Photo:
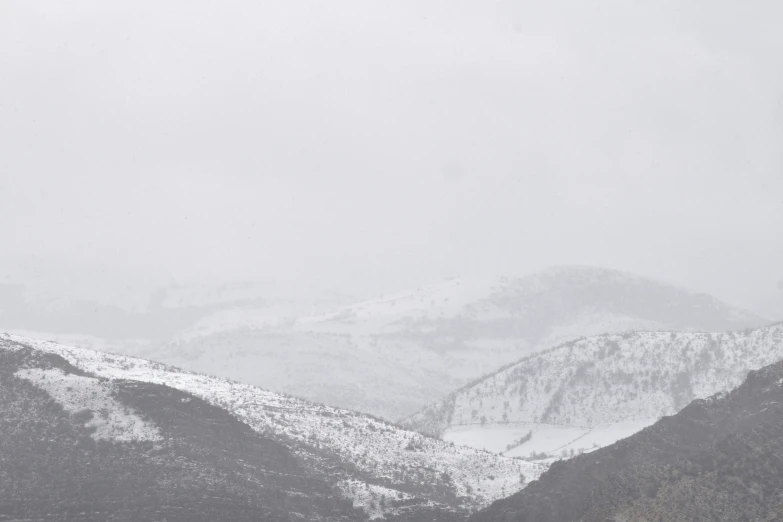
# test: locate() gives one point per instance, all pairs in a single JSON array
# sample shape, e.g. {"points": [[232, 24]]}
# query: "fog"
{"points": [[368, 146]]}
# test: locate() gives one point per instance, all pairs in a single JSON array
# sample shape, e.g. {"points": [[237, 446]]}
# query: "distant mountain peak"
{"points": [[396, 353]]}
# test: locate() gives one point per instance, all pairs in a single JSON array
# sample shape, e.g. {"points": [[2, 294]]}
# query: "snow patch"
{"points": [[375, 501], [75, 393]]}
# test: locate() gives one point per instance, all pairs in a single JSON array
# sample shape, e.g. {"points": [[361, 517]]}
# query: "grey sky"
{"points": [[372, 145]]}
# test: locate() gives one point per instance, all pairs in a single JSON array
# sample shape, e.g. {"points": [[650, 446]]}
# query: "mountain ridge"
{"points": [[85, 448], [366, 460]]}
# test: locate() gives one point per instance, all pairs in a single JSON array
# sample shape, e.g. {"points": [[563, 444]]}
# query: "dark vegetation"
{"points": [[521, 440]]}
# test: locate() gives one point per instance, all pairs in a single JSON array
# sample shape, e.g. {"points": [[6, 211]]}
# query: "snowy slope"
{"points": [[75, 393], [718, 460], [392, 355], [596, 390], [80, 447], [363, 455]]}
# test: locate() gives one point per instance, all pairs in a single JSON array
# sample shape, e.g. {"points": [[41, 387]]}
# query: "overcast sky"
{"points": [[369, 145]]}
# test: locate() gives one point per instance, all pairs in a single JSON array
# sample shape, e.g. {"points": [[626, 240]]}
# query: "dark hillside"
{"points": [[206, 466]]}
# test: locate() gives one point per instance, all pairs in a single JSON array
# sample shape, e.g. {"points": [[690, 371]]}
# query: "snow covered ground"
{"points": [[550, 439], [75, 393]]}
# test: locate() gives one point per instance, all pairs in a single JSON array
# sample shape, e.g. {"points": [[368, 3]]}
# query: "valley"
{"points": [[593, 391]]}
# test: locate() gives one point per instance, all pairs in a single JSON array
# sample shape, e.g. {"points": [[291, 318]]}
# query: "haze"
{"points": [[368, 146]]}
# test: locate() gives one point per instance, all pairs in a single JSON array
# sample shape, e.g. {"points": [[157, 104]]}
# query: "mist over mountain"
{"points": [[388, 356], [402, 261], [392, 355], [156, 315]]}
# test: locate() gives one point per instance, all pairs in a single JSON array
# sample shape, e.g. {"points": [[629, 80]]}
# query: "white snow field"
{"points": [[549, 439]]}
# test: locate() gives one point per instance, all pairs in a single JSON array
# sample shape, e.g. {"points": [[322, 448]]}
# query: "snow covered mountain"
{"points": [[378, 467], [78, 447], [719, 459], [591, 392], [393, 355]]}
